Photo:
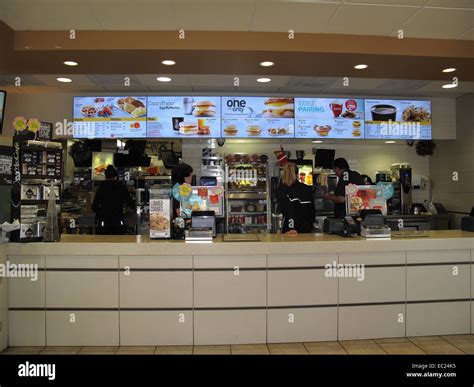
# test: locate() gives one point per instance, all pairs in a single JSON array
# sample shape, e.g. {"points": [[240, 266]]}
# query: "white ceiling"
{"points": [[220, 84], [444, 19]]}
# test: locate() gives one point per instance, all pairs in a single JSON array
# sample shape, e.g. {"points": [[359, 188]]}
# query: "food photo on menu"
{"points": [[329, 118], [110, 117], [185, 117], [398, 119], [258, 117]]}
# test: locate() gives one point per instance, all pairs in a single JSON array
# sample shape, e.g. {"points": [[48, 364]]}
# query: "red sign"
{"points": [[351, 105]]}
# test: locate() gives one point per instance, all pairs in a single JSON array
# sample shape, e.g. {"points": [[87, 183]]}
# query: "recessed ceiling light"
{"points": [[266, 63], [168, 62], [64, 80], [58, 46], [360, 66], [449, 86], [449, 70], [316, 141], [71, 63], [163, 79], [264, 80], [27, 47], [390, 142]]}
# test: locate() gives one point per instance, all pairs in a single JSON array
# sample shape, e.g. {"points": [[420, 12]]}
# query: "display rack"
{"points": [[36, 164]]}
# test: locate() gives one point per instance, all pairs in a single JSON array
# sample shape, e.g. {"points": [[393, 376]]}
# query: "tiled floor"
{"points": [[432, 345]]}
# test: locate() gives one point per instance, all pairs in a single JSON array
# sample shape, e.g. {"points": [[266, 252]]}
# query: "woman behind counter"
{"points": [[180, 175], [296, 202], [108, 204]]}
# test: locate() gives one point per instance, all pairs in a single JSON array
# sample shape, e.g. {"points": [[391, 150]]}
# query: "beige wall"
{"points": [[456, 156]]}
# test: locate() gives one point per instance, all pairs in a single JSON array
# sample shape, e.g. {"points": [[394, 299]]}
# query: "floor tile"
{"points": [[22, 351], [391, 340], [98, 350], [438, 347], [363, 341], [173, 352], [60, 351], [136, 350], [285, 345], [402, 349], [363, 349], [417, 339], [211, 350], [248, 346], [458, 337], [467, 346], [325, 348], [289, 351], [261, 351]]}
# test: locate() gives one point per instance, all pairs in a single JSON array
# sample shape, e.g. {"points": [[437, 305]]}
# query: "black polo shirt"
{"points": [[353, 177]]}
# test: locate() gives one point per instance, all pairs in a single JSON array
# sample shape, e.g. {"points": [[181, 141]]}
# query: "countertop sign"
{"points": [[6, 165]]}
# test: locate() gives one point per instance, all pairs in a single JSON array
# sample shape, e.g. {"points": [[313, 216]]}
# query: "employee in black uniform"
{"points": [[108, 204], [345, 176], [296, 202]]}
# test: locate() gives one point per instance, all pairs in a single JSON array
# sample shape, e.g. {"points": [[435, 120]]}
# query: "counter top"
{"points": [[268, 244]]}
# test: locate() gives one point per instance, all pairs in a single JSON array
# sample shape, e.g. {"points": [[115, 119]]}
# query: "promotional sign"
{"points": [[258, 117], [397, 119], [329, 118], [109, 117], [100, 162], [6, 165], [160, 218], [184, 117]]}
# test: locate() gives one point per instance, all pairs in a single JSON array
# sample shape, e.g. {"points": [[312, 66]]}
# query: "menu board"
{"points": [[258, 117], [109, 117], [2, 106], [398, 119], [329, 118], [184, 117]]}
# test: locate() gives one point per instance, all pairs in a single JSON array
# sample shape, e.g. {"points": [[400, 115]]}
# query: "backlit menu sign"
{"points": [[329, 118], [109, 117], [397, 119], [184, 117], [258, 117]]}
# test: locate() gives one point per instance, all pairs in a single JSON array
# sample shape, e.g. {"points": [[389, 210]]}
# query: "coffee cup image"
{"points": [[383, 113]]}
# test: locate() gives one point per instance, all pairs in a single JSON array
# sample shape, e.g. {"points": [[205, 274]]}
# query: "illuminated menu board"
{"points": [[109, 117], [398, 119], [258, 117], [329, 118], [184, 117]]}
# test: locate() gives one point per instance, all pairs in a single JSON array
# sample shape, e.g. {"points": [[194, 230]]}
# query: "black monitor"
{"points": [[324, 158], [3, 97], [169, 158]]}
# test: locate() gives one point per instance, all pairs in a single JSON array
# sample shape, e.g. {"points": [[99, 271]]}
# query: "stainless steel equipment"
{"points": [[402, 198], [204, 219], [247, 195]]}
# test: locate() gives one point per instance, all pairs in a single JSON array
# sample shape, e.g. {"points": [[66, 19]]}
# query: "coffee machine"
{"points": [[400, 203]]}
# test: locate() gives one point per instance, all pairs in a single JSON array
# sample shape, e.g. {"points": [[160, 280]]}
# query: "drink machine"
{"points": [[402, 198]]}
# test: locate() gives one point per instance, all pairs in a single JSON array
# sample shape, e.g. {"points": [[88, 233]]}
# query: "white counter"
{"points": [[120, 290]]}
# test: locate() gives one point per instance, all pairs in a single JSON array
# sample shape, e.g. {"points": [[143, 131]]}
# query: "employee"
{"points": [[296, 202], [180, 175], [345, 176], [108, 204]]}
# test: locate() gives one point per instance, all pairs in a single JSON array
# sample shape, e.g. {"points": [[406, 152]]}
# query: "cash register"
{"points": [[203, 227]]}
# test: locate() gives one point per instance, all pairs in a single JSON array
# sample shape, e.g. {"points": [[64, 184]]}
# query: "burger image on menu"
{"points": [[356, 132], [188, 128], [204, 109], [230, 130], [279, 108], [254, 130], [322, 130]]}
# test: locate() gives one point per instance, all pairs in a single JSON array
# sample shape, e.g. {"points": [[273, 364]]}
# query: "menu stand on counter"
{"points": [[36, 165]]}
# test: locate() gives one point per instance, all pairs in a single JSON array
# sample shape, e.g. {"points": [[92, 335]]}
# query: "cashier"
{"points": [[108, 204], [296, 202], [345, 176], [182, 174]]}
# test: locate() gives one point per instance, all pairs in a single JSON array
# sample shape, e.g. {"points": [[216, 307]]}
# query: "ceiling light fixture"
{"points": [[264, 80], [163, 79], [449, 86], [316, 141], [360, 66], [64, 80], [390, 142], [168, 62], [266, 64], [449, 70], [71, 63]]}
